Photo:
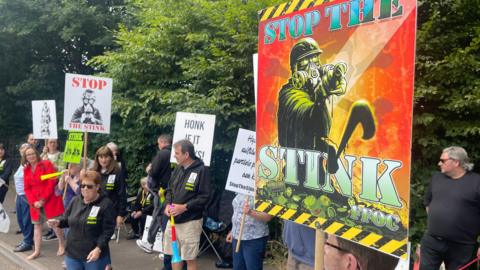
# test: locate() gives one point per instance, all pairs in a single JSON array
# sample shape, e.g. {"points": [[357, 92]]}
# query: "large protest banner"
{"points": [[198, 129], [241, 176], [334, 117], [44, 117], [88, 102]]}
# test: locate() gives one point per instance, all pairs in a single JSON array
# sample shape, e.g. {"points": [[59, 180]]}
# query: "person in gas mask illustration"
{"points": [[87, 113], [303, 117]]}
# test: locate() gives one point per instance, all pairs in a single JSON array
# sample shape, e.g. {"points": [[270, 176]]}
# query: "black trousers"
{"points": [[435, 250], [3, 192]]}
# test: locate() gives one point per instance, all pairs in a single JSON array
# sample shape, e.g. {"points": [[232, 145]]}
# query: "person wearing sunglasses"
{"points": [[341, 254], [87, 113], [91, 223], [452, 201]]}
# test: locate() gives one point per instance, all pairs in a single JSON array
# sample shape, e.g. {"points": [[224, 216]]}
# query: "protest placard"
{"points": [[334, 117], [88, 102], [198, 129], [241, 177], [44, 117], [73, 148]]}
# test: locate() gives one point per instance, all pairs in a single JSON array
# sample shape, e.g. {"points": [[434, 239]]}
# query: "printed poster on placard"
{"points": [[44, 117], [88, 102], [334, 117], [241, 176], [198, 129]]}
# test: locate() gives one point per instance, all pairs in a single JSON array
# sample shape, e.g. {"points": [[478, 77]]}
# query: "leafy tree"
{"points": [[447, 91], [192, 56], [40, 41]]}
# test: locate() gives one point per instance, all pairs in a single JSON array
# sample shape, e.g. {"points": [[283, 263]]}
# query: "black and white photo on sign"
{"points": [[241, 177], [44, 119], [88, 102], [198, 129]]}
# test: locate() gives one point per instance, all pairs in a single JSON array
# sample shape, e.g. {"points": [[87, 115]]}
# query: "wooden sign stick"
{"points": [[242, 222], [85, 144], [319, 248]]}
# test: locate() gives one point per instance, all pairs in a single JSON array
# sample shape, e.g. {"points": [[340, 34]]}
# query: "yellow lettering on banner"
{"points": [[333, 228], [292, 6], [392, 246], [302, 218], [370, 239], [289, 213], [267, 13], [279, 10], [351, 233], [275, 210]]}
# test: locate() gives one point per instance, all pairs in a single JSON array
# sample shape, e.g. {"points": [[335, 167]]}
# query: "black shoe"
{"points": [[49, 237], [132, 236], [22, 248], [223, 264], [49, 232], [18, 231]]}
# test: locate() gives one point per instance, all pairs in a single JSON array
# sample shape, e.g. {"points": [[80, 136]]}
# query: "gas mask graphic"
{"points": [[308, 79]]}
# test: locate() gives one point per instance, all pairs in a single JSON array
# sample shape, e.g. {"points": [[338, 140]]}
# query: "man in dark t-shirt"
{"points": [[453, 207]]}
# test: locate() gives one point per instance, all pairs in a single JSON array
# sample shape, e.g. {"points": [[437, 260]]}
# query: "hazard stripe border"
{"points": [[369, 239]]}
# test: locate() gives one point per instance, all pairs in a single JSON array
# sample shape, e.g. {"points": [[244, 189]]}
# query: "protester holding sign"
{"points": [[342, 254], [453, 208], [91, 224], [22, 206], [71, 182], [255, 234], [5, 172], [51, 152], [187, 193], [113, 184], [41, 197]]}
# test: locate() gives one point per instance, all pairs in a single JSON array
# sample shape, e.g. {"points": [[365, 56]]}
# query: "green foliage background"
{"points": [[196, 56]]}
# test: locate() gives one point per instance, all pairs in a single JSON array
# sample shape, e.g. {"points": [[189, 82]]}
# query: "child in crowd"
{"points": [[141, 209]]}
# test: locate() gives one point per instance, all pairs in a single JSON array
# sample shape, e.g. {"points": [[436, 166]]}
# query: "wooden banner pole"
{"points": [[65, 180], [85, 147], [242, 223], [319, 249]]}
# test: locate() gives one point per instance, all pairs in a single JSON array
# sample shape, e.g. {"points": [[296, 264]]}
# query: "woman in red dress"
{"points": [[44, 204]]}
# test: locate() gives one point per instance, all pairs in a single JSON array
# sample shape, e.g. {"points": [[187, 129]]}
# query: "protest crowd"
{"points": [[329, 163]]}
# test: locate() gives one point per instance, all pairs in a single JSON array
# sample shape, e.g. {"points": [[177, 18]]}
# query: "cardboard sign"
{"points": [[44, 118], [241, 177], [73, 148], [334, 117], [88, 102], [198, 129]]}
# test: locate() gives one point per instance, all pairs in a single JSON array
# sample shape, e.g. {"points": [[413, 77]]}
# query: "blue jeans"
{"points": [[251, 254], [23, 219], [79, 264]]}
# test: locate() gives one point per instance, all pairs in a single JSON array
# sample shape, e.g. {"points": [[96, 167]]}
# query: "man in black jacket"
{"points": [[187, 194]]}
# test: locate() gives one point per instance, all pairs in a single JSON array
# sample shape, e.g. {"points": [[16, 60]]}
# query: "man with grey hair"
{"points": [[453, 208]]}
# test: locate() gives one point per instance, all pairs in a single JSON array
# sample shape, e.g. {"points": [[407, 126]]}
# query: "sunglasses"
{"points": [[82, 186], [336, 247], [444, 160]]}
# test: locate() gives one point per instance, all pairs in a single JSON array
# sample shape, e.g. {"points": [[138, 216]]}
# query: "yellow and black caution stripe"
{"points": [[369, 239], [287, 8]]}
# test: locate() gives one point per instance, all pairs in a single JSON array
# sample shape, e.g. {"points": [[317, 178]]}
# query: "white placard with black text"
{"points": [[241, 177], [88, 103], [44, 117], [198, 129]]}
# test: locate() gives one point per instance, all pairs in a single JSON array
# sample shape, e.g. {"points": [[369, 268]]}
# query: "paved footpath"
{"points": [[125, 255]]}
